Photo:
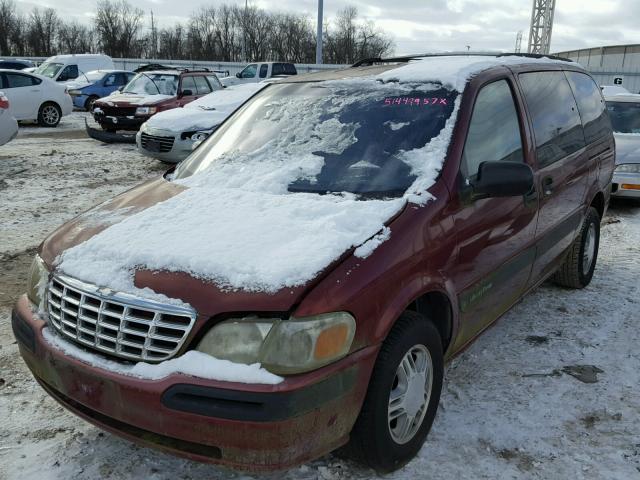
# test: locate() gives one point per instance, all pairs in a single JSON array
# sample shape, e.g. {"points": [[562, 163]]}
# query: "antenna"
{"points": [[541, 26]]}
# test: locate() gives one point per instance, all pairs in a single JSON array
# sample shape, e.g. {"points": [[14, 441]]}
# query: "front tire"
{"points": [[403, 396], [49, 115], [88, 104], [577, 269]]}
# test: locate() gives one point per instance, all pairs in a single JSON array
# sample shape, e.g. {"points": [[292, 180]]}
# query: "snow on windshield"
{"points": [[153, 84], [238, 224]]}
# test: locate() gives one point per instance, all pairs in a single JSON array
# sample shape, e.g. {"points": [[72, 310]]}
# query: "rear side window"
{"points": [[283, 69], [591, 106], [202, 86], [14, 80], [188, 83], [494, 130], [263, 70], [214, 82], [554, 114]]}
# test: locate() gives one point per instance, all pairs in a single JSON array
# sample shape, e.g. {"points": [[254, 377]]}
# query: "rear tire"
{"points": [[577, 269], [382, 437], [49, 115]]}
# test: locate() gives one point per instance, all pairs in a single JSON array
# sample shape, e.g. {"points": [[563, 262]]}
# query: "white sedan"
{"points": [[8, 124], [169, 136], [34, 97]]}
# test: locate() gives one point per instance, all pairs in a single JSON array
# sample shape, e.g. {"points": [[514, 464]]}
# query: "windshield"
{"points": [[48, 69], [153, 84], [625, 116], [357, 136]]}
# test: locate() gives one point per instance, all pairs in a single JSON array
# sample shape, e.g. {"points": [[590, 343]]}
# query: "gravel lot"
{"points": [[515, 404]]}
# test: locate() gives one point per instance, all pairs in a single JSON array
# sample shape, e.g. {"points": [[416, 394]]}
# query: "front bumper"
{"points": [[178, 150], [244, 426], [626, 185], [79, 101], [109, 137], [130, 122]]}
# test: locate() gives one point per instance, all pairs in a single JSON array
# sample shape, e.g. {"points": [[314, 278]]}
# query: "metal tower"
{"points": [[518, 48], [541, 26]]}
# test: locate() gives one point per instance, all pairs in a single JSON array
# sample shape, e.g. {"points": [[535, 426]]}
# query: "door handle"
{"points": [[547, 185]]}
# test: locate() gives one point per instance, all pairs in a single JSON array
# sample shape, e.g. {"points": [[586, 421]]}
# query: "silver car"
{"points": [[624, 111], [170, 136]]}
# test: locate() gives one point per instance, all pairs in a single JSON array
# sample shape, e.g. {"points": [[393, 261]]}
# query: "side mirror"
{"points": [[502, 179], [238, 75], [185, 93], [121, 88]]}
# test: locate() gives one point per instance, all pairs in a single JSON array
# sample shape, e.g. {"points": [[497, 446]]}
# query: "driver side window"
{"points": [[494, 130], [249, 71], [69, 73]]}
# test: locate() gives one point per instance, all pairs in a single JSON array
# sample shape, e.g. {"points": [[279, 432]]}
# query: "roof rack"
{"points": [[407, 58]]}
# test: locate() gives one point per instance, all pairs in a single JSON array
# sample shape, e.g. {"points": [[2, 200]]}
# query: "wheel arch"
{"points": [[438, 308], [598, 202]]}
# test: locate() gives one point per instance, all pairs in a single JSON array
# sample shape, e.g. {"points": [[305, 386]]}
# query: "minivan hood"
{"points": [[240, 251], [627, 148]]}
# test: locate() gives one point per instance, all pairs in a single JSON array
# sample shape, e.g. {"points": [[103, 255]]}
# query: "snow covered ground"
{"points": [[512, 406]]}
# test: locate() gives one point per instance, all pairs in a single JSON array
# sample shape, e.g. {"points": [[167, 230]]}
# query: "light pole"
{"points": [[319, 35]]}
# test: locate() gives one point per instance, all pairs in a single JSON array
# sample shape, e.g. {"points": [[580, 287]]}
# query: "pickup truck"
{"points": [[257, 72]]}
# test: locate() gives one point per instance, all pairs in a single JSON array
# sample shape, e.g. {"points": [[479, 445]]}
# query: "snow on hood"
{"points": [[206, 112], [77, 84], [135, 99], [240, 228]]}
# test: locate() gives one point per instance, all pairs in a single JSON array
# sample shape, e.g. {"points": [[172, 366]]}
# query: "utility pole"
{"points": [[154, 39], [319, 35], [541, 26], [518, 48]]}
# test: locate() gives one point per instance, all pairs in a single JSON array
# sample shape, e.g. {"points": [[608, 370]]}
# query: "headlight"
{"points": [[146, 110], [75, 92], [38, 277], [199, 136], [628, 168], [282, 346]]}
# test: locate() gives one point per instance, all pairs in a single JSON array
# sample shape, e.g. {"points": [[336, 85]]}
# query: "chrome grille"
{"points": [[156, 143], [116, 323]]}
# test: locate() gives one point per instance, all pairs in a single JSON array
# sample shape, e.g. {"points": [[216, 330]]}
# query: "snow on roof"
{"points": [[455, 71], [238, 226]]}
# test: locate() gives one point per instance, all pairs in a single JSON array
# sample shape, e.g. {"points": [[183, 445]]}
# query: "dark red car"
{"points": [[148, 93], [298, 283]]}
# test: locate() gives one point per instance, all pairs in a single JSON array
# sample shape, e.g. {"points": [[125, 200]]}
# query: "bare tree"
{"points": [[74, 38], [8, 21], [117, 25], [42, 28]]}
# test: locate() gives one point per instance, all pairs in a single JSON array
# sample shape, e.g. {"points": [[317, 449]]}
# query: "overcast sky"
{"points": [[429, 25]]}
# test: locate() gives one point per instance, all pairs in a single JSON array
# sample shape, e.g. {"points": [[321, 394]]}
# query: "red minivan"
{"points": [[297, 284]]}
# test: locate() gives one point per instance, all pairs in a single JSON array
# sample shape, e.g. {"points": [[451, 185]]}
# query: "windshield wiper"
{"points": [[369, 195]]}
